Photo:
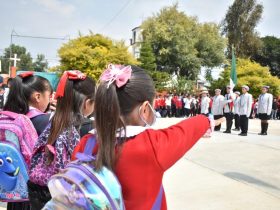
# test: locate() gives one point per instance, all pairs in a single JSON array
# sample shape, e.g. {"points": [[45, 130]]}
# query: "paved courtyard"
{"points": [[226, 172]]}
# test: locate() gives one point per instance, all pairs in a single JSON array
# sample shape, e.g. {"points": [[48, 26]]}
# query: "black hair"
{"points": [[21, 90], [69, 108], [113, 106]]}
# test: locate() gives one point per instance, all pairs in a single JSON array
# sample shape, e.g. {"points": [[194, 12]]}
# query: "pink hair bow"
{"points": [[116, 73]]}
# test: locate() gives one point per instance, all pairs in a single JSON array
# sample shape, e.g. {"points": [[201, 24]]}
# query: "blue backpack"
{"points": [[79, 186], [17, 139]]}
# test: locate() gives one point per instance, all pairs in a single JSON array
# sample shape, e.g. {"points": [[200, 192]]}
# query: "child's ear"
{"points": [[36, 96], [145, 110]]}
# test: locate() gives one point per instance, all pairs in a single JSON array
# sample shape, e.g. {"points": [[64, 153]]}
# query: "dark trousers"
{"points": [[229, 118], [244, 123], [38, 195], [168, 108], [237, 121], [218, 127], [187, 112]]}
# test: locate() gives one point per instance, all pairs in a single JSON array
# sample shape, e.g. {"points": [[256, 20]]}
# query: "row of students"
{"points": [[126, 144], [240, 108], [29, 93], [176, 106]]}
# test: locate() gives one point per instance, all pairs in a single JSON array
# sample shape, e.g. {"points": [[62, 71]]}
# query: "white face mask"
{"points": [[154, 113]]}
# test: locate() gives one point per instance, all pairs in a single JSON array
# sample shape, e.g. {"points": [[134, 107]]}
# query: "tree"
{"points": [[269, 54], [25, 62], [175, 38], [239, 26], [92, 53], [252, 74], [147, 57], [40, 63]]}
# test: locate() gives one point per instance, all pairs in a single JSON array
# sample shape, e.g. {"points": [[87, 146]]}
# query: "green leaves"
{"points": [[92, 53], [239, 25], [252, 74], [180, 41]]}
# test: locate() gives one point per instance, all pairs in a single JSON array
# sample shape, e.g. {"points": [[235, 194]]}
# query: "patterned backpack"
{"points": [[79, 186], [17, 139]]}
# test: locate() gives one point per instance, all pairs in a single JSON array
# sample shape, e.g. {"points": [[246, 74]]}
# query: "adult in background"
{"points": [[236, 104], [205, 103], [228, 108], [274, 109], [245, 109], [187, 105], [264, 109], [168, 99], [217, 107]]}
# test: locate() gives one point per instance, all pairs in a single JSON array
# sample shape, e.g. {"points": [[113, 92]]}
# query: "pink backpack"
{"points": [[18, 130], [17, 140]]}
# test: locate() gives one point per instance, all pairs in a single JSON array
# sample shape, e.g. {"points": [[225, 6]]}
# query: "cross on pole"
{"points": [[15, 59]]}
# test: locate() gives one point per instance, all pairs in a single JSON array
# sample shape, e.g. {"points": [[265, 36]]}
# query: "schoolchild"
{"points": [[75, 96], [126, 144], [29, 95]]}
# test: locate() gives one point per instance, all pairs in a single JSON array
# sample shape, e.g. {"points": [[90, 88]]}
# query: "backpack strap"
{"points": [[34, 113], [12, 115], [91, 142], [158, 201], [87, 156]]}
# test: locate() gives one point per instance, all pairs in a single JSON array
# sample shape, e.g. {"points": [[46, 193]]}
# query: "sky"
{"points": [[115, 18]]}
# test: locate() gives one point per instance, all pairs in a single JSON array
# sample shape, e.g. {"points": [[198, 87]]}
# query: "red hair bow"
{"points": [[71, 75], [26, 74]]}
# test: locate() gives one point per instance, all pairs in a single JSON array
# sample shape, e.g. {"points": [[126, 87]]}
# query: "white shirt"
{"points": [[187, 102], [218, 105], [245, 104], [168, 101], [205, 101], [236, 105], [228, 99], [265, 103]]}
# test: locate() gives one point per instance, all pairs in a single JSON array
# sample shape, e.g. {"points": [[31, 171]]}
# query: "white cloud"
{"points": [[57, 6]]}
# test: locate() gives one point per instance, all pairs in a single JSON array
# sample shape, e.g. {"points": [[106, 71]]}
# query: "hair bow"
{"points": [[71, 75], [116, 73], [26, 74]]}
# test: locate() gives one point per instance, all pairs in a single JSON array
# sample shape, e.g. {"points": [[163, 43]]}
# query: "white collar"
{"points": [[131, 131]]}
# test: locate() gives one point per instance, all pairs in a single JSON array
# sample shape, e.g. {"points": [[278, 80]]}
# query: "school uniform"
{"points": [[236, 104], [245, 111], [264, 110], [143, 159], [228, 108], [187, 106], [217, 109], [40, 122], [204, 106]]}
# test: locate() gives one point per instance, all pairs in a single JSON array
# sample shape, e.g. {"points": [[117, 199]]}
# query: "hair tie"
{"points": [[71, 75], [26, 74], [116, 73]]}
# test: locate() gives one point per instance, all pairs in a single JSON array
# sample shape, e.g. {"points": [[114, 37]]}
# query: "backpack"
{"points": [[17, 139], [41, 169], [79, 186]]}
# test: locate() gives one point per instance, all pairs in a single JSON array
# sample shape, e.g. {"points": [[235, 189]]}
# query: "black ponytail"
{"points": [[21, 90], [107, 114], [16, 101], [113, 106]]}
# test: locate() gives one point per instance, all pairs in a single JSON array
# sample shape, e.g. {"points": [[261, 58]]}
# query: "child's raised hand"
{"points": [[213, 123]]}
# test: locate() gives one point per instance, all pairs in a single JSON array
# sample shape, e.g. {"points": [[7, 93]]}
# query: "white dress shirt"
{"points": [[245, 104], [265, 103]]}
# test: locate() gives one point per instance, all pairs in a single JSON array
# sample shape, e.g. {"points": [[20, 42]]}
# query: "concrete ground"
{"points": [[226, 172]]}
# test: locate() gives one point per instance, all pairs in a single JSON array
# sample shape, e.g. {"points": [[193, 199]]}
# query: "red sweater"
{"points": [[145, 157]]}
